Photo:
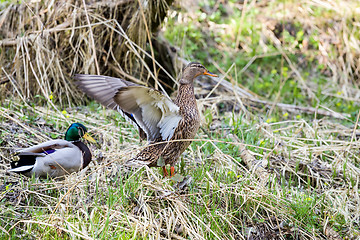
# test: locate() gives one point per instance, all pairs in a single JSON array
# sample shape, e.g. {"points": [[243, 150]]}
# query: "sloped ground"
{"points": [[302, 184]]}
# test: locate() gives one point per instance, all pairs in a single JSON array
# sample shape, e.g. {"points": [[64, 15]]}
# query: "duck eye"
{"points": [[80, 131]]}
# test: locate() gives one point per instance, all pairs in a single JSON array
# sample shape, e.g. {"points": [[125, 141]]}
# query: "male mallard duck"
{"points": [[157, 117], [56, 157]]}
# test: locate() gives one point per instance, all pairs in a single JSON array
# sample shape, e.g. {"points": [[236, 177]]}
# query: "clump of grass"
{"points": [[44, 44]]}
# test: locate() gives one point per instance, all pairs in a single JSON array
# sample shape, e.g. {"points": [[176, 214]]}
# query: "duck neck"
{"points": [[86, 153], [185, 95]]}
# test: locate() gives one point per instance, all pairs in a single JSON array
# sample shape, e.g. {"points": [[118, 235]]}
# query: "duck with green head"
{"points": [[55, 158]]}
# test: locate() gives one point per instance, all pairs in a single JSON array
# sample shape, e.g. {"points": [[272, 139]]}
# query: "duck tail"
{"points": [[136, 163], [148, 156], [25, 163]]}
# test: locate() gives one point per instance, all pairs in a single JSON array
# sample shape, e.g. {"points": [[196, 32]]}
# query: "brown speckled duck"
{"points": [[158, 118]]}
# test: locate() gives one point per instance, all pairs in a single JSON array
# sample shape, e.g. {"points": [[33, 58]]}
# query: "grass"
{"points": [[274, 37], [263, 173], [224, 199]]}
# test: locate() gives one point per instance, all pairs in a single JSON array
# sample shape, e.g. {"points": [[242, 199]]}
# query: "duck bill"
{"points": [[89, 138], [210, 74]]}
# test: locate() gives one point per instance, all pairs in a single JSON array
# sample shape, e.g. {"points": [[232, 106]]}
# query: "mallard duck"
{"points": [[162, 121], [55, 158]]}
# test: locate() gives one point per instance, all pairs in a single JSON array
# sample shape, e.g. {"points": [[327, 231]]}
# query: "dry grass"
{"points": [[43, 45]]}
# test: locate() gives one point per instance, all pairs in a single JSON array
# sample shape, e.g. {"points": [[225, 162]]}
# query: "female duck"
{"points": [[169, 126], [55, 158]]}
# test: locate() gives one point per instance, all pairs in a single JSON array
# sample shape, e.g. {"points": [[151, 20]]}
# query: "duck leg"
{"points": [[172, 171], [165, 171]]}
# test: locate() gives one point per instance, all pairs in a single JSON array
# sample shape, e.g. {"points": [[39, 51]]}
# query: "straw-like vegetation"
{"points": [[277, 156], [44, 44]]}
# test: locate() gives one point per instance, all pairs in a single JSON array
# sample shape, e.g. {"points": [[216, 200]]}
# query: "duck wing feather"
{"points": [[42, 147], [154, 112], [103, 90]]}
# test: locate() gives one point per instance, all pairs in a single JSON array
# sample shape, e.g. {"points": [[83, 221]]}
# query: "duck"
{"points": [[169, 126], [55, 158]]}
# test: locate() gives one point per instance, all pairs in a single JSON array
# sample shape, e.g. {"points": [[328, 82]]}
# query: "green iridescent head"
{"points": [[77, 131]]}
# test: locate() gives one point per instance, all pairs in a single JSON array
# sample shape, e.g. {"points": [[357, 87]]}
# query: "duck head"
{"points": [[77, 131], [193, 70]]}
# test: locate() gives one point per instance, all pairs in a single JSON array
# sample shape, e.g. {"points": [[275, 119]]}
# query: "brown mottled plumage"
{"points": [[156, 116]]}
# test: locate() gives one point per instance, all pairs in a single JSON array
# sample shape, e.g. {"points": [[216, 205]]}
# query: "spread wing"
{"points": [[155, 113], [103, 90]]}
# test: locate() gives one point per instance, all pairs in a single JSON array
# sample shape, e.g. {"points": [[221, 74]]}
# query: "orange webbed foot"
{"points": [[172, 171], [165, 171]]}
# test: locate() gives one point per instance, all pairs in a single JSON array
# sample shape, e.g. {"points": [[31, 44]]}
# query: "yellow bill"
{"points": [[89, 138]]}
